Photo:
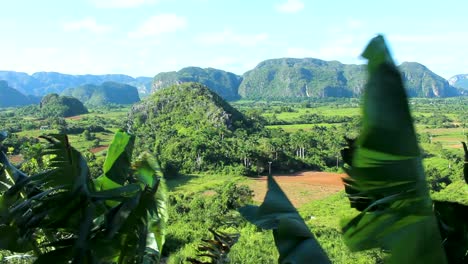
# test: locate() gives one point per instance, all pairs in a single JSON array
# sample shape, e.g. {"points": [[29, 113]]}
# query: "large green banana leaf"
{"points": [[386, 169]]}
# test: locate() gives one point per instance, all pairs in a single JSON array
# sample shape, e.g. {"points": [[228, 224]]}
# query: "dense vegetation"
{"points": [[191, 129], [225, 84], [317, 78], [104, 94], [53, 105], [204, 146], [65, 215], [421, 82]]}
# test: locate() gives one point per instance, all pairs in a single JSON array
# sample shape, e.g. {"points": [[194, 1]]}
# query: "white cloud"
{"points": [[86, 24], [156, 25], [290, 6], [120, 3], [228, 37]]}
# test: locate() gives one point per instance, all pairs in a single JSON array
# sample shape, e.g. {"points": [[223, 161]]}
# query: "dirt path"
{"points": [[301, 187]]}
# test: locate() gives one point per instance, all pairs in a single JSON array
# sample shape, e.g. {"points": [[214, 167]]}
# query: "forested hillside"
{"points": [[276, 78], [104, 94], [283, 78], [225, 84], [421, 82], [193, 129], [53, 105]]}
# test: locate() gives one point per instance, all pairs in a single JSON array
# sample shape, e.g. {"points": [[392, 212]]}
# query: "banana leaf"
{"points": [[386, 169]]}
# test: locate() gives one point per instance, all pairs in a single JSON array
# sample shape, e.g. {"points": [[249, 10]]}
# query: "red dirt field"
{"points": [[301, 187], [97, 149], [16, 159], [74, 117]]}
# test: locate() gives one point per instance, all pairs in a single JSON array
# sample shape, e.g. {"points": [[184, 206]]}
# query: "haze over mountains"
{"points": [[42, 83], [106, 93], [270, 79], [11, 97], [460, 81]]}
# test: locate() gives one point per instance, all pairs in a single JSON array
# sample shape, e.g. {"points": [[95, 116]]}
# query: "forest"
{"points": [[174, 178]]}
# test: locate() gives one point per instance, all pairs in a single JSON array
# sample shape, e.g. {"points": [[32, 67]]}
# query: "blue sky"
{"points": [[144, 37]]}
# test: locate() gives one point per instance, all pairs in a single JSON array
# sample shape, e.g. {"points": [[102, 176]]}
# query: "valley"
{"points": [[307, 171]]}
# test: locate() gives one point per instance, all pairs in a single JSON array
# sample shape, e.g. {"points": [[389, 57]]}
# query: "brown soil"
{"points": [[301, 187], [16, 159], [98, 149], [78, 117]]}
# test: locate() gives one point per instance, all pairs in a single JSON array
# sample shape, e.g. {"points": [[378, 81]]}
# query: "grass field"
{"points": [[448, 137], [327, 111], [295, 127]]}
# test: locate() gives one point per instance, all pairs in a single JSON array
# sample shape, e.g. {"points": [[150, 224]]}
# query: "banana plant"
{"points": [[64, 216], [386, 170], [216, 249]]}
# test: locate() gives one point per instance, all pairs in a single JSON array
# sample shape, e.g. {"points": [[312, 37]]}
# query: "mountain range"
{"points": [[225, 84], [290, 78], [10, 97], [270, 79], [280, 78], [42, 83]]}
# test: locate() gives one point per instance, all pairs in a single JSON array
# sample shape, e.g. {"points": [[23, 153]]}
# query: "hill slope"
{"points": [[189, 127], [42, 83], [421, 82], [106, 93], [11, 97], [225, 84], [280, 78], [53, 105]]}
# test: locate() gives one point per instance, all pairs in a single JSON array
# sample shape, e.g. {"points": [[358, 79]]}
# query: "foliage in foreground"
{"points": [[63, 215], [386, 183]]}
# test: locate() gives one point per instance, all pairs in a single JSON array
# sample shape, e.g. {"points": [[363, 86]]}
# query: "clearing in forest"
{"points": [[301, 187]]}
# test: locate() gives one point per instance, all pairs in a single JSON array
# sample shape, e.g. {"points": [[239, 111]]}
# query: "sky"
{"points": [[145, 37]]}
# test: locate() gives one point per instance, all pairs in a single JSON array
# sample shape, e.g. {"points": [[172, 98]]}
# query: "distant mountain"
{"points": [[421, 82], [11, 97], [106, 93], [459, 81], [42, 83], [223, 83], [275, 78], [287, 77], [302, 78]]}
